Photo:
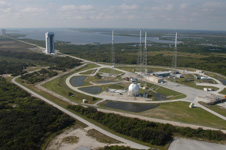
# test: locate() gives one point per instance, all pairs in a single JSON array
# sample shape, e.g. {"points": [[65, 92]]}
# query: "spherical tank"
{"points": [[133, 89]]}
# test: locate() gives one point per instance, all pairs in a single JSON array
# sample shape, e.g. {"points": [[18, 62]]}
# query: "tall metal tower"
{"points": [[145, 55], [112, 51], [139, 57], [174, 63]]}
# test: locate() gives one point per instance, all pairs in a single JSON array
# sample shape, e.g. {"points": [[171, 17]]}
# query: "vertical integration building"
{"points": [[3, 31], [50, 43]]}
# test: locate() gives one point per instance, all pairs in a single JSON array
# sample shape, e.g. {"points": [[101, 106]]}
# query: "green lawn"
{"points": [[89, 72], [223, 91], [216, 108], [108, 70], [180, 112]]}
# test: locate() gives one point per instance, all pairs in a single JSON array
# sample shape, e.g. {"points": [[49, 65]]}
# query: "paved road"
{"points": [[129, 143]]}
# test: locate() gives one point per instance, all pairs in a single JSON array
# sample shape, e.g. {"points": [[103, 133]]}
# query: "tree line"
{"points": [[149, 132]]}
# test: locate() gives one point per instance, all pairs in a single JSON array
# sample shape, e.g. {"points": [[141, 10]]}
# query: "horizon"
{"points": [[114, 28], [150, 14]]}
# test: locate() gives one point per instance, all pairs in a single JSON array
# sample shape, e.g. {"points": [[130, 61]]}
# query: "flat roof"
{"points": [[161, 72]]}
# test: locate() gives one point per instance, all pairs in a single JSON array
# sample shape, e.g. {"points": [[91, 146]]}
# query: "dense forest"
{"points": [[158, 54], [38, 76], [150, 132], [16, 68], [26, 122]]}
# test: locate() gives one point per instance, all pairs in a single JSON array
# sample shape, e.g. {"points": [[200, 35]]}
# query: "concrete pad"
{"points": [[187, 144]]}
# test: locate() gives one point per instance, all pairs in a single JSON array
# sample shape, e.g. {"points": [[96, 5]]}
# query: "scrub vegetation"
{"points": [[26, 122]]}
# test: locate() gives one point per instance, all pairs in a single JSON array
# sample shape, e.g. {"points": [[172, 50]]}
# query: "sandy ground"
{"points": [[84, 142], [187, 144]]}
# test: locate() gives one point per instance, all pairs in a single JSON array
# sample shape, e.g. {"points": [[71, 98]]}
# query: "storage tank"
{"points": [[133, 89]]}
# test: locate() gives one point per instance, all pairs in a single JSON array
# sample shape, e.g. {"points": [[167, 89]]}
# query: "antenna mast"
{"points": [[139, 58], [112, 51], [145, 55], [174, 64]]}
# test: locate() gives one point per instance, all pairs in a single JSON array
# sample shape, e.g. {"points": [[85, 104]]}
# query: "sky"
{"points": [[153, 14]]}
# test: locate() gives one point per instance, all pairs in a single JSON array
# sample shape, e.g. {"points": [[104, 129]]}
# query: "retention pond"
{"points": [[78, 81], [92, 89], [132, 107]]}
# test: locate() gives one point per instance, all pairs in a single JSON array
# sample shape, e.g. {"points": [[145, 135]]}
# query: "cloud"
{"points": [[183, 6], [168, 7], [128, 7], [68, 7], [74, 7], [85, 7], [2, 3], [32, 10]]}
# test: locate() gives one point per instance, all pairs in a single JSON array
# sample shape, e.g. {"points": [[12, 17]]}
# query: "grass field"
{"points": [[223, 91], [89, 72], [216, 108], [59, 86], [180, 112], [108, 70]]}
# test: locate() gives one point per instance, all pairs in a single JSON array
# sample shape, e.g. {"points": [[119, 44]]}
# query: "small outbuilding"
{"points": [[84, 101]]}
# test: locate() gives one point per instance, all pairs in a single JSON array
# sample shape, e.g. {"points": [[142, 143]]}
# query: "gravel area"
{"points": [[187, 144]]}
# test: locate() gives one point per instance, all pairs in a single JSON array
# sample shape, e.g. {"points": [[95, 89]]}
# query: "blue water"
{"points": [[132, 107], [76, 36], [78, 81], [92, 89]]}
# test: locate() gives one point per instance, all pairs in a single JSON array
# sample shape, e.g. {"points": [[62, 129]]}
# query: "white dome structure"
{"points": [[133, 89]]}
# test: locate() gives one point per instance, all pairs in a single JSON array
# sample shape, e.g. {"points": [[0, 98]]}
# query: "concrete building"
{"points": [[161, 74], [155, 79], [3, 31], [50, 43]]}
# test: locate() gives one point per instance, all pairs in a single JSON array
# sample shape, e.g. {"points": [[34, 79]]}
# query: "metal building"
{"points": [[50, 43], [3, 31]]}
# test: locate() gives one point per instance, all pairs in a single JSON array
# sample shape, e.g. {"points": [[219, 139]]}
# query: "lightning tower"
{"points": [[112, 51], [139, 58], [174, 63], [145, 55]]}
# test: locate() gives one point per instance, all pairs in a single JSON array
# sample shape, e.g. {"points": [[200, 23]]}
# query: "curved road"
{"points": [[190, 92], [128, 142]]}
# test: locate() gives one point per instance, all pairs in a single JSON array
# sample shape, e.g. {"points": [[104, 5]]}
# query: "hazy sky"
{"points": [[162, 14]]}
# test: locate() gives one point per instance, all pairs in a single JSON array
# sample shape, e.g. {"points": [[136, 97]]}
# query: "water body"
{"points": [[132, 107], [81, 37], [159, 96], [78, 81], [92, 89], [223, 81]]}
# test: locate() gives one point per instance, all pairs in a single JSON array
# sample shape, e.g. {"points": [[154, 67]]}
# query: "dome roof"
{"points": [[133, 89]]}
